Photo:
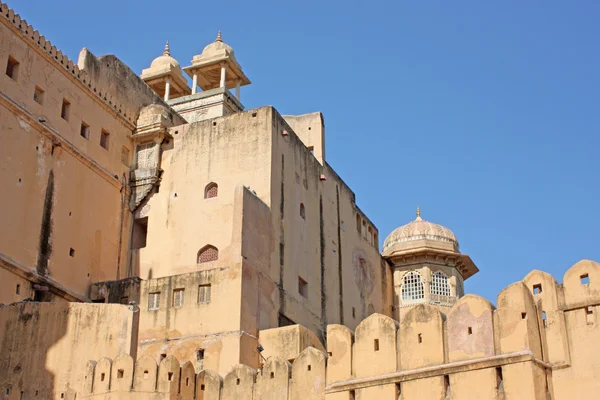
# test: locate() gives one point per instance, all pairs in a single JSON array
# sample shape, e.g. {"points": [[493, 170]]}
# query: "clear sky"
{"points": [[485, 114]]}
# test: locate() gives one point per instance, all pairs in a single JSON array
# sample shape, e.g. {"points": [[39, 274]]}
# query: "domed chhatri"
{"points": [[165, 77], [216, 67], [428, 267], [420, 233], [165, 60]]}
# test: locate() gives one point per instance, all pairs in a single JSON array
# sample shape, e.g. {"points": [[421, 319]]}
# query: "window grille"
{"points": [[154, 301], [412, 287], [204, 294], [439, 284], [178, 297], [208, 254], [211, 190]]}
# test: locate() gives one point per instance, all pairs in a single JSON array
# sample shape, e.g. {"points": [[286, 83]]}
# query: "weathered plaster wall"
{"points": [[63, 191], [44, 347]]}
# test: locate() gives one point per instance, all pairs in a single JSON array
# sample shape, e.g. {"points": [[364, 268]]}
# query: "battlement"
{"points": [[536, 343], [39, 42]]}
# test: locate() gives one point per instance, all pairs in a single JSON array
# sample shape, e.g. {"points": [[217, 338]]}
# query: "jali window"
{"points": [[439, 284], [154, 301], [412, 287], [204, 294], [207, 254]]}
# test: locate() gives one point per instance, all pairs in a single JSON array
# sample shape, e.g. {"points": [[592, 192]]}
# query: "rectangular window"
{"points": [[302, 287], [125, 156], [204, 294], [537, 289], [104, 139], [85, 131], [154, 301], [65, 110], [178, 297], [585, 279], [12, 68], [38, 95]]}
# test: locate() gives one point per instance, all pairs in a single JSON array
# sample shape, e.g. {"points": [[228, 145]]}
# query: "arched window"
{"points": [[412, 287], [211, 190], [358, 225], [302, 211], [207, 254], [439, 284]]}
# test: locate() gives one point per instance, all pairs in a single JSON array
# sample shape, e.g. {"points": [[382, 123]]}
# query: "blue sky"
{"points": [[483, 113]]}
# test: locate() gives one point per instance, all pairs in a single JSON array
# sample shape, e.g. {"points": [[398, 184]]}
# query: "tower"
{"points": [[427, 265]]}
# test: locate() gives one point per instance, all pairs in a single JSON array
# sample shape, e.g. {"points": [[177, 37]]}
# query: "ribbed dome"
{"points": [[420, 229], [164, 60]]}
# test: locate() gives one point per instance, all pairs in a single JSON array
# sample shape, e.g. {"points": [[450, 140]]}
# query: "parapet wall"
{"points": [[540, 343]]}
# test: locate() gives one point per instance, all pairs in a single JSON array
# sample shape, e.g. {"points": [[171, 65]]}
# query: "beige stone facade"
{"points": [[196, 249]]}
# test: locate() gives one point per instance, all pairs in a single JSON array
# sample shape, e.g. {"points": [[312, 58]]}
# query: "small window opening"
{"points": [[38, 95], [7, 390], [200, 354], [353, 312], [352, 395], [398, 389], [102, 377], [146, 375], [202, 387], [420, 338], [253, 115], [537, 289], [330, 354], [140, 233], [272, 375], [120, 373], [214, 123], [12, 68], [358, 223], [207, 254], [187, 381], [163, 356], [170, 376], [154, 302], [211, 190], [302, 211], [62, 395], [64, 111], [376, 344], [104, 139], [523, 315], [36, 392], [309, 367], [302, 287], [309, 128], [499, 380], [84, 131], [204, 293], [237, 381], [470, 330], [18, 289], [447, 385], [544, 318], [585, 279], [72, 252], [589, 315], [178, 296], [311, 149]]}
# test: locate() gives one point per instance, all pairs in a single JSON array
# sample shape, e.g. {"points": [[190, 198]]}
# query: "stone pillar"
{"points": [[223, 73], [237, 89], [194, 83], [167, 88], [426, 276]]}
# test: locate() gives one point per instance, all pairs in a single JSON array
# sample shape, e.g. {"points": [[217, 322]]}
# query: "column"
{"points": [[167, 88], [237, 89], [194, 83], [223, 72]]}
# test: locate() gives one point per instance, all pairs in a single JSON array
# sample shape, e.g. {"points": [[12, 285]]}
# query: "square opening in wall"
{"points": [[65, 110], [537, 288], [38, 95], [84, 131], [585, 279], [12, 68], [72, 252], [104, 139], [302, 287]]}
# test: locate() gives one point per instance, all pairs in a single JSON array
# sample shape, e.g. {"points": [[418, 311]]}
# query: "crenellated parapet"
{"points": [[538, 343], [39, 42]]}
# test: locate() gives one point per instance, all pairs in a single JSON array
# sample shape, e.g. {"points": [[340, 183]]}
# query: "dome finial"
{"points": [[219, 38], [418, 212], [167, 52]]}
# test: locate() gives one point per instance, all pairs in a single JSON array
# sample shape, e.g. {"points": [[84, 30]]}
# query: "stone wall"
{"points": [[532, 346]]}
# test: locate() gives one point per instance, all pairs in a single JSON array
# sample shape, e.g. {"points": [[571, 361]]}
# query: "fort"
{"points": [[160, 241]]}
